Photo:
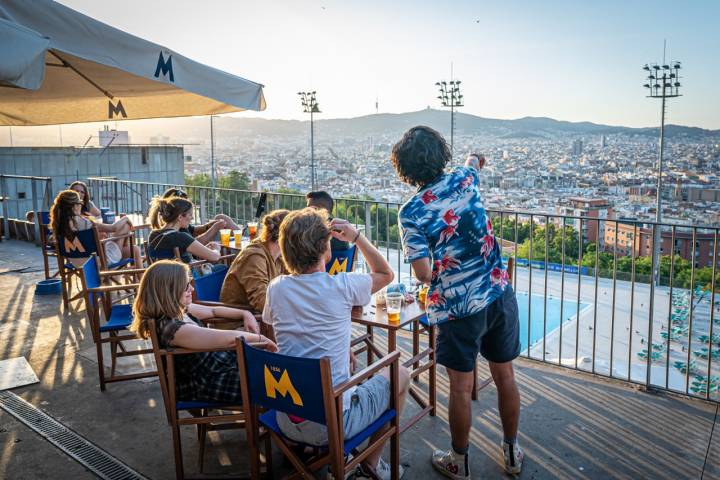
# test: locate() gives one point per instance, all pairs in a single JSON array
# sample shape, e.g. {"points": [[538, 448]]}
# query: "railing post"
{"points": [[33, 187], [117, 200], [368, 222], [3, 197]]}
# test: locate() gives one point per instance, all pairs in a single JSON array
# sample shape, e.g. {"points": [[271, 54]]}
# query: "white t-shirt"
{"points": [[311, 317]]}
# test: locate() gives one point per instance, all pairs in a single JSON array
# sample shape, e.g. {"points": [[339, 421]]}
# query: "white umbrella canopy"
{"points": [[94, 72]]}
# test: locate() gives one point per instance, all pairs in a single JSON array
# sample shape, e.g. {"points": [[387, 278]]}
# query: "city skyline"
{"points": [[559, 60]]}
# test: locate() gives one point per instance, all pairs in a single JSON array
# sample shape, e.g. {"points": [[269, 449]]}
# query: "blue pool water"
{"points": [[536, 309]]}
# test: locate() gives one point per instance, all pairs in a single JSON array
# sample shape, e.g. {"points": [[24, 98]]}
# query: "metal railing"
{"points": [[15, 201], [588, 300]]}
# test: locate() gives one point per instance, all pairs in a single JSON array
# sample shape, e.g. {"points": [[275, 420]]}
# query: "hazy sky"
{"points": [[570, 60]]}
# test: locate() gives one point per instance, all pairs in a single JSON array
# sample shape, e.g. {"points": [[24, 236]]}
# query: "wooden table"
{"points": [[233, 247], [376, 317]]}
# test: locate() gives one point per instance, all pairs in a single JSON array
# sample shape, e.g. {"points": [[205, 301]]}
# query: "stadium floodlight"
{"points": [[451, 98], [661, 85], [310, 105]]}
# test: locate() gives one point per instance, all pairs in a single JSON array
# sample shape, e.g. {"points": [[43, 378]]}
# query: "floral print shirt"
{"points": [[446, 222]]}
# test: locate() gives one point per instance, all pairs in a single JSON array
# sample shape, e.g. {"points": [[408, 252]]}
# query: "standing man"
{"points": [[449, 240]]}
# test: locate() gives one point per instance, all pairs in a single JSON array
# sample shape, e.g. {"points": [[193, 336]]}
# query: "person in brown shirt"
{"points": [[250, 273]]}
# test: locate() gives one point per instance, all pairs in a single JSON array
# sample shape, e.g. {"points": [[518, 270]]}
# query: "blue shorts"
{"points": [[369, 400], [494, 332]]}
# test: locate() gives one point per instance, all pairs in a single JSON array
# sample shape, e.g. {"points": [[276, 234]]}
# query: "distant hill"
{"points": [[396, 123]]}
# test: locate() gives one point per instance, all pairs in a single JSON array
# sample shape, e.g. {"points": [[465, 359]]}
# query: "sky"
{"points": [[569, 60]]}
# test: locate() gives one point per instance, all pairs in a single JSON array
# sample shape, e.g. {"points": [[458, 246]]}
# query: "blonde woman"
{"points": [[66, 218], [165, 296], [258, 263]]}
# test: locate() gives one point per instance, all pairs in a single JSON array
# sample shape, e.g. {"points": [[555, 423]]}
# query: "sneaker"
{"points": [[383, 471], [451, 464], [513, 457]]}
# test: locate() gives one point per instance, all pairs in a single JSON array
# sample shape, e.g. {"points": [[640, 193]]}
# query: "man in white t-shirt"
{"points": [[310, 310]]}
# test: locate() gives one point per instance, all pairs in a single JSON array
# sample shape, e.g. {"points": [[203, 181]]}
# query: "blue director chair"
{"points": [[341, 261], [84, 245], [117, 319], [303, 387]]}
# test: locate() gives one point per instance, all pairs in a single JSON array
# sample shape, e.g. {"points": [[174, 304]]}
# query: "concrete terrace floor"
{"points": [[573, 425]]}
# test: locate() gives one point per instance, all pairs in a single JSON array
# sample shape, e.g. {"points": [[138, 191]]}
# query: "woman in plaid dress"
{"points": [[165, 295]]}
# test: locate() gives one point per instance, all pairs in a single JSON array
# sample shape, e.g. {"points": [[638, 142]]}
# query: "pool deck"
{"points": [[573, 425]]}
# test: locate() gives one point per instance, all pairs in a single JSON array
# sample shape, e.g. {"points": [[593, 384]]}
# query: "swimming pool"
{"points": [[536, 309]]}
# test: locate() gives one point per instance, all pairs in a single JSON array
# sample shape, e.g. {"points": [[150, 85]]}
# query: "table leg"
{"points": [[432, 388], [392, 340], [416, 347]]}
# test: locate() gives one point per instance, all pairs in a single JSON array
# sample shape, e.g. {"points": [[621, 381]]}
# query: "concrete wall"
{"points": [[162, 164]]}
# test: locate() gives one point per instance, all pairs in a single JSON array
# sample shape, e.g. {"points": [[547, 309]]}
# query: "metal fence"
{"points": [[586, 291]]}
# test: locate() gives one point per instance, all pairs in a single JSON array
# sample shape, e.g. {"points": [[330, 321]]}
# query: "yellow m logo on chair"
{"points": [[75, 245], [282, 386], [338, 267]]}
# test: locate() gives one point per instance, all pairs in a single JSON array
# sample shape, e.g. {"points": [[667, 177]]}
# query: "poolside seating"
{"points": [[684, 368], [654, 356], [117, 319], [704, 352], [702, 384], [305, 390], [205, 416], [707, 339]]}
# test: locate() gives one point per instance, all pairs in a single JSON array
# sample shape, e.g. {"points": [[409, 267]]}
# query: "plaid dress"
{"points": [[206, 376]]}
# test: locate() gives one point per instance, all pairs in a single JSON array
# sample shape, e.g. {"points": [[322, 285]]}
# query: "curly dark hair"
{"points": [[420, 156]]}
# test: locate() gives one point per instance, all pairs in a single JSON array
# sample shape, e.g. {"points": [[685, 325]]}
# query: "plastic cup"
{"points": [[225, 236], [237, 235], [252, 230], [422, 294], [393, 301]]}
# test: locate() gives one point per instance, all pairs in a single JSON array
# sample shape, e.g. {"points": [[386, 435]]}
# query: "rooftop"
{"points": [[573, 425]]}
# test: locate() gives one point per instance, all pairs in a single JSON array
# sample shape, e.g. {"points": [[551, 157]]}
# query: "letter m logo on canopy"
{"points": [[165, 67], [282, 386]]}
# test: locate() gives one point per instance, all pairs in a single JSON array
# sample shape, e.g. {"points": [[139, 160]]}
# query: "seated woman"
{"points": [[66, 218], [170, 219], [257, 264], [165, 296], [310, 312], [206, 232], [88, 207]]}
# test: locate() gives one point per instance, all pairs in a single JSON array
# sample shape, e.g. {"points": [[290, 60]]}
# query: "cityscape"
{"points": [[211, 268]]}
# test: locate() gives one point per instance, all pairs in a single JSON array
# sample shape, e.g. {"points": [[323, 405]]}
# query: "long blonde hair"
{"points": [[158, 297]]}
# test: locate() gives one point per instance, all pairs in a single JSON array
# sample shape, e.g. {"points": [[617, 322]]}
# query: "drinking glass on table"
{"points": [[393, 301], [252, 230], [225, 236], [237, 235]]}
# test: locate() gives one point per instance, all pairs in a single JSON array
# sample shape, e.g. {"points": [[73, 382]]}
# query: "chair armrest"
{"points": [[126, 271], [117, 237], [367, 372], [209, 303], [114, 288]]}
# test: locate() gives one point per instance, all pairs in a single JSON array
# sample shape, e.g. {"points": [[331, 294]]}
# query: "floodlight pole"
{"points": [[310, 105], [450, 97], [669, 88], [213, 178]]}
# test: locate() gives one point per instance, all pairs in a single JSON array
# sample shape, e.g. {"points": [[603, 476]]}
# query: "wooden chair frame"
{"points": [[334, 455], [48, 249], [92, 310], [201, 417]]}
